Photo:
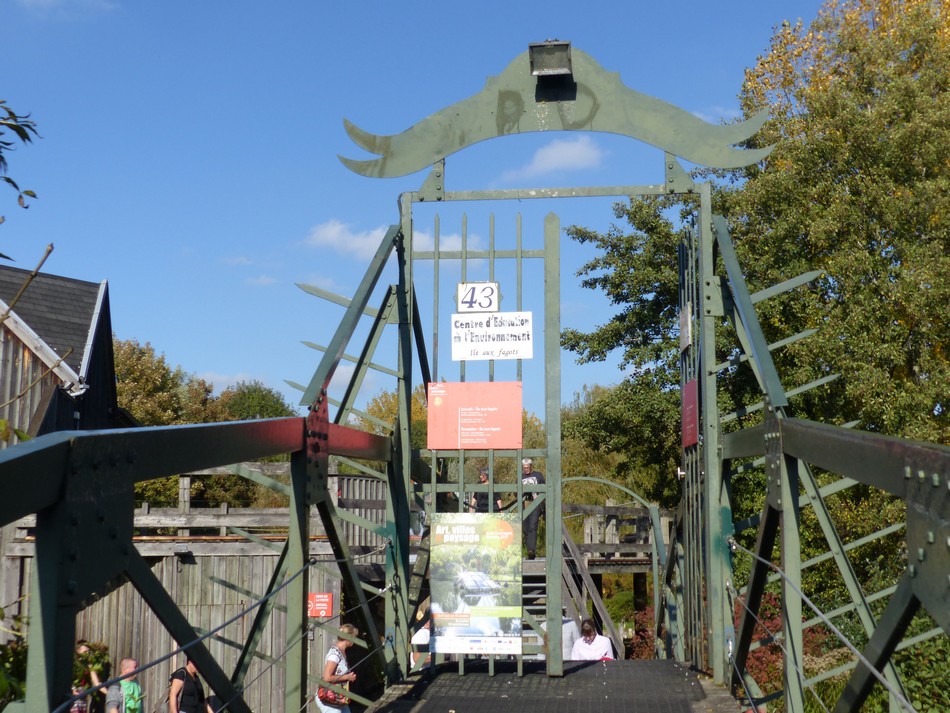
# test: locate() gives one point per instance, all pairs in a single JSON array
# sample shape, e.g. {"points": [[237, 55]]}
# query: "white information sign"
{"points": [[477, 297], [502, 335]]}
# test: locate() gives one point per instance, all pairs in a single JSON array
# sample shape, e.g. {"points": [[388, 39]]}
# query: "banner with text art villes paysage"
{"points": [[475, 579]]}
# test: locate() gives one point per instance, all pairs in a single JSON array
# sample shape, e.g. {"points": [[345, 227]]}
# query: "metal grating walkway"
{"points": [[587, 687]]}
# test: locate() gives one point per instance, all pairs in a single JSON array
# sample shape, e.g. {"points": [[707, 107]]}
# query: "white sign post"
{"points": [[499, 335]]}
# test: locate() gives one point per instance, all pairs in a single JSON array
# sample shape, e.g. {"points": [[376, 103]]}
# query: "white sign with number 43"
{"points": [[478, 297]]}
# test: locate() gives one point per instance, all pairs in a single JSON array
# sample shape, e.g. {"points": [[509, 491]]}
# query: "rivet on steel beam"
{"points": [[907, 472], [921, 555], [931, 538], [935, 478], [921, 475], [911, 570]]}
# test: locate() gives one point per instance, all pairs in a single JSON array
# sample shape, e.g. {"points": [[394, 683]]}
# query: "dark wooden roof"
{"points": [[60, 310]]}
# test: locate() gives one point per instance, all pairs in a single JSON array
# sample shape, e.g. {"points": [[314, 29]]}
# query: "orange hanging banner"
{"points": [[475, 415]]}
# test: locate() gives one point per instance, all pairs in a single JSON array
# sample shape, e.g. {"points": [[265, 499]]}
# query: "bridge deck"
{"points": [[587, 687]]}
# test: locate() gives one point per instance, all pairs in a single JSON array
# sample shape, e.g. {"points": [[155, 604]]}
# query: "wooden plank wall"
{"points": [[209, 590]]}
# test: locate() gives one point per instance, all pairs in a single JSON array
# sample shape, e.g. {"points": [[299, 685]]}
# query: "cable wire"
{"points": [[775, 640], [841, 637]]}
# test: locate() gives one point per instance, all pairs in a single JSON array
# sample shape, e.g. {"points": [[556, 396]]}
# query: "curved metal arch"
{"points": [[591, 479], [515, 102]]}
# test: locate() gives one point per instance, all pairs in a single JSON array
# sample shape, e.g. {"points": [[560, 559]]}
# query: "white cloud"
{"points": [[340, 237], [222, 381], [260, 280], [237, 260], [718, 114], [422, 240], [559, 155]]}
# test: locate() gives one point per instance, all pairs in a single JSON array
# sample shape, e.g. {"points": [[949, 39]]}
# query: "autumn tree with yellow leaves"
{"points": [[856, 186]]}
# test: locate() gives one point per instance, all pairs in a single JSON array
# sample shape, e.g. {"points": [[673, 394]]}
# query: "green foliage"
{"points": [[620, 607], [252, 400], [12, 660], [12, 671], [90, 656], [158, 395], [23, 129], [857, 186]]}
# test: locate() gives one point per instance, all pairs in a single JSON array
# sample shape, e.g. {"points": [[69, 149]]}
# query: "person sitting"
{"points": [[591, 646]]}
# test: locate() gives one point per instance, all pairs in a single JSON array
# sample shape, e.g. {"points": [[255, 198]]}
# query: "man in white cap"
{"points": [[529, 476]]}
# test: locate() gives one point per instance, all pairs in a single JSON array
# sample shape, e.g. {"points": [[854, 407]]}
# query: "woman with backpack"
{"points": [[186, 694]]}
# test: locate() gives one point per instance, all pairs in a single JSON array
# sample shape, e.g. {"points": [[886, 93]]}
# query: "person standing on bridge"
{"points": [[591, 646], [126, 695], [186, 694], [529, 476], [336, 670], [480, 498]]}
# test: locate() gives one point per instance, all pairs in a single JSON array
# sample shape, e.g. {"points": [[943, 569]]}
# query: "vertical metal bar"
{"points": [[436, 265], [716, 506], [794, 665], [398, 572], [552, 421], [491, 277], [298, 551], [48, 665]]}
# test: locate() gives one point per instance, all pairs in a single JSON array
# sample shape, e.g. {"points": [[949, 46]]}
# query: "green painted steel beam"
{"points": [[353, 360], [134, 455], [785, 286], [619, 110], [168, 613], [744, 358], [337, 347], [334, 298], [772, 385], [890, 630], [261, 617], [884, 462]]}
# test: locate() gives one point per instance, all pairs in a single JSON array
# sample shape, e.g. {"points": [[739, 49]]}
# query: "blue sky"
{"points": [[189, 151]]}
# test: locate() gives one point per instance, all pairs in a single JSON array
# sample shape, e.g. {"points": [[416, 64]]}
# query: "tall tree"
{"points": [[858, 185]]}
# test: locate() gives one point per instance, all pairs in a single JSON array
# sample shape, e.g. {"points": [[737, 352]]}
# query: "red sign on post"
{"points": [[474, 415], [320, 605], [690, 399]]}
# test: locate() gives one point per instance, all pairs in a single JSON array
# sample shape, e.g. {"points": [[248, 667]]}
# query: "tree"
{"points": [[158, 395], [857, 186], [253, 400], [244, 401], [637, 420]]}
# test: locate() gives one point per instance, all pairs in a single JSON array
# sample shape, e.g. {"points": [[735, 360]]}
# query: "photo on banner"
{"points": [[475, 581]]}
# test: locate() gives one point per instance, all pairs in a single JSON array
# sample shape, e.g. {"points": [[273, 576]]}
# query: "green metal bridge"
{"points": [[80, 484]]}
